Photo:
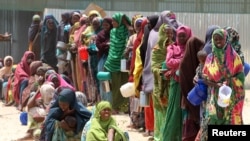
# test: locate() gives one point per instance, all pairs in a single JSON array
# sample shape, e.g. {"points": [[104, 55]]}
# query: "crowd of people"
{"points": [[56, 80]]}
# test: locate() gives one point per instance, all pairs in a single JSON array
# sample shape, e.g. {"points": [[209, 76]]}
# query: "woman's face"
{"points": [[182, 38], [50, 24], [30, 59], [64, 106], [8, 62], [115, 23], [91, 17], [55, 81], [219, 41], [96, 24], [75, 19], [105, 114], [41, 76], [169, 32], [105, 26]]}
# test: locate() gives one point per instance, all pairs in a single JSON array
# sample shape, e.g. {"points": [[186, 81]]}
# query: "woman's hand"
{"points": [[169, 73]]}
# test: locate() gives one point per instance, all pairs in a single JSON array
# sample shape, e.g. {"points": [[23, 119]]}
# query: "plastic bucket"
{"points": [[224, 96], [127, 89], [201, 89], [193, 98], [144, 99], [198, 93], [246, 68], [103, 76]]}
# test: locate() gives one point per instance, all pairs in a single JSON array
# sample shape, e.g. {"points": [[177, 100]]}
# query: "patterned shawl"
{"points": [[224, 64]]}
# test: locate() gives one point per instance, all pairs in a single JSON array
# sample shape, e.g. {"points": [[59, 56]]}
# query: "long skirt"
{"points": [[119, 102], [173, 128]]}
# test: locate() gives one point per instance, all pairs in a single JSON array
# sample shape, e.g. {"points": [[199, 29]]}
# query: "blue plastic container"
{"points": [[24, 118], [246, 68], [198, 93]]}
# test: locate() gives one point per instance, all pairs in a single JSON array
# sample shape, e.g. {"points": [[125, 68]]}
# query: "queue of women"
{"points": [[57, 78]]}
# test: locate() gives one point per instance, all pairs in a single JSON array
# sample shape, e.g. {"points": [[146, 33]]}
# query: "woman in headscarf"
{"points": [[103, 126], [223, 67], [48, 41], [5, 73], [37, 103], [234, 39], [56, 128], [21, 75], [32, 83], [208, 38], [34, 36], [63, 28], [93, 60], [188, 65], [139, 63], [175, 53], [118, 39], [102, 43], [73, 43], [167, 17], [90, 82], [139, 25], [58, 81], [161, 86]]}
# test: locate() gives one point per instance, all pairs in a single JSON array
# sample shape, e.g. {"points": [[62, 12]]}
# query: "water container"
{"points": [[68, 58], [246, 68], [198, 93], [106, 86], [144, 99], [124, 67], [61, 45], [224, 96], [127, 89], [103, 76], [82, 50]]}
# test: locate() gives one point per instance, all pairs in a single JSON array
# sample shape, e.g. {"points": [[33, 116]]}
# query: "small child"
{"points": [[201, 55], [71, 121]]}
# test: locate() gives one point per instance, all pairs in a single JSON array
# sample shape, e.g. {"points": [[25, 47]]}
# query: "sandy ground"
{"points": [[11, 128]]}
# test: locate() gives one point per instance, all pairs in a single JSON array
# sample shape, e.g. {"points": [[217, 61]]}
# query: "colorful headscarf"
{"points": [[208, 38], [220, 52], [234, 39], [62, 82]]}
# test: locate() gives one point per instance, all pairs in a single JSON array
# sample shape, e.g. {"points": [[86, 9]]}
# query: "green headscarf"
{"points": [[99, 128], [219, 52]]}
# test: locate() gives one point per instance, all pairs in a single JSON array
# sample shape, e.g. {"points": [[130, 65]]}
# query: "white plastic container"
{"points": [[224, 96], [61, 45], [124, 65], [144, 99], [106, 86], [68, 58], [128, 89]]}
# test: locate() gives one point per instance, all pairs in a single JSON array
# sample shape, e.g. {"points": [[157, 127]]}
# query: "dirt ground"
{"points": [[11, 128]]}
